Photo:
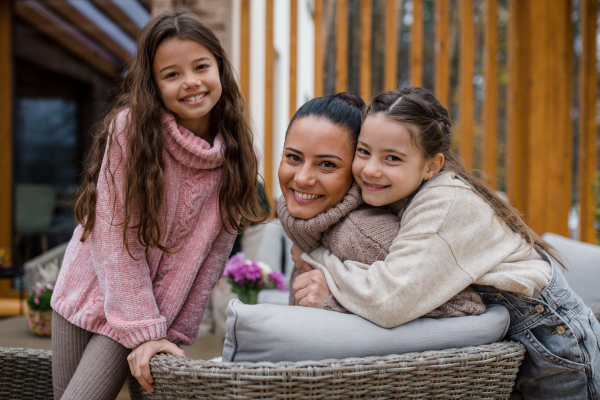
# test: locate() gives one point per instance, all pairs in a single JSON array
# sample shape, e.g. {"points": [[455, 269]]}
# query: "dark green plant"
{"points": [[40, 302]]}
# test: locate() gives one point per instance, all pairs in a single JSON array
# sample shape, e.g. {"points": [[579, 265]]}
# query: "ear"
{"points": [[434, 165]]}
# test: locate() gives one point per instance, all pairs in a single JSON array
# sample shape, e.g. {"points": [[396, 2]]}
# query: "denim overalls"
{"points": [[561, 336]]}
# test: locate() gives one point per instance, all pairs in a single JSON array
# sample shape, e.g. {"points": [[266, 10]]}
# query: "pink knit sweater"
{"points": [[153, 295]]}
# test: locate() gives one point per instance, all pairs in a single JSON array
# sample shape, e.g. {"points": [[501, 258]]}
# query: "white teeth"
{"points": [[194, 98], [305, 196]]}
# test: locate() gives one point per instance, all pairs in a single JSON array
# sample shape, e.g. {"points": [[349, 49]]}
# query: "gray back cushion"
{"points": [[269, 332], [583, 263]]}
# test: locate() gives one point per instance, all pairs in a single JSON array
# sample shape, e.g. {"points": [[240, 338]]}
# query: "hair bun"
{"points": [[352, 99]]}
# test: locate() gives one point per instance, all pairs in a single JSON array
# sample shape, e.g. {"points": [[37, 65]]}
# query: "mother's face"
{"points": [[316, 168]]}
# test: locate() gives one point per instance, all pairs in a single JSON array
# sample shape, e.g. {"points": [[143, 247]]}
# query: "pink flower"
{"points": [[279, 280]]}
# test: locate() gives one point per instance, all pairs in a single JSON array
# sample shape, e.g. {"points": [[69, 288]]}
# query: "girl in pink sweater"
{"points": [[170, 175]]}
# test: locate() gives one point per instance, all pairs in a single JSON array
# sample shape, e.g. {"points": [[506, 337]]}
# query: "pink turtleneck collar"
{"points": [[189, 149]]}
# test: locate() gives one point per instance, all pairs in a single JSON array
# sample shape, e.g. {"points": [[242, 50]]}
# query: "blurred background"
{"points": [[520, 78]]}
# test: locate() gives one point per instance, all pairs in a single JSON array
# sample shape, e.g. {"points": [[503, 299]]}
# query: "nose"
{"points": [[305, 177], [371, 169], [191, 82]]}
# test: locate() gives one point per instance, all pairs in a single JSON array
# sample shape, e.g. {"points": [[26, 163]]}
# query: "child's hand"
{"points": [[139, 360], [299, 263], [311, 289]]}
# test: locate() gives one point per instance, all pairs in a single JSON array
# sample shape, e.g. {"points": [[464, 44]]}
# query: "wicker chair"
{"points": [[481, 372]]}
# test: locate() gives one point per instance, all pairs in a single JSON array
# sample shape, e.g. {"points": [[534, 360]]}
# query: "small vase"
{"points": [[249, 297], [40, 322]]}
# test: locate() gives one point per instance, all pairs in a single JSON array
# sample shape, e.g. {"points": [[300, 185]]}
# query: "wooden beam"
{"points": [[245, 56], [416, 45], [293, 56], [539, 162], [70, 13], [341, 56], [518, 104], [319, 59], [391, 47], [588, 134], [6, 102], [490, 93], [269, 71], [442, 51], [467, 64], [56, 28], [118, 16], [366, 16]]}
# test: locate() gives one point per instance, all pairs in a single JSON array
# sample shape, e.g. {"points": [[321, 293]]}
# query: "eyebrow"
{"points": [[317, 156], [171, 66], [390, 150]]}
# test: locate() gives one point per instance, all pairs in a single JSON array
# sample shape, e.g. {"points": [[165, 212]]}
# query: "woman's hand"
{"points": [[311, 289], [139, 360], [299, 263]]}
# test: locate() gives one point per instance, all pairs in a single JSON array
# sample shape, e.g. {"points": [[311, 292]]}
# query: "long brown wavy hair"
{"points": [[431, 129], [143, 189]]}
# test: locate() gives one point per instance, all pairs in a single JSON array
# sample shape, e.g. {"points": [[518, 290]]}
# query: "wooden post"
{"points": [[366, 16], [490, 93], [539, 126], [269, 70], [416, 45], [318, 21], [293, 55], [442, 51], [245, 56], [467, 60], [588, 147], [391, 47], [341, 62], [6, 101]]}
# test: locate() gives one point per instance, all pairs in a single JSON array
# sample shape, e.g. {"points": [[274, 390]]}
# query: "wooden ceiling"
{"points": [[100, 32]]}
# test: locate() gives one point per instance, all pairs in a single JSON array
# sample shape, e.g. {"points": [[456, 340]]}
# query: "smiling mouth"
{"points": [[194, 98], [374, 186], [306, 196]]}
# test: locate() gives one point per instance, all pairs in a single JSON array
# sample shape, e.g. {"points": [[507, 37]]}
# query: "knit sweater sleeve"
{"points": [[448, 239], [184, 328], [129, 304]]}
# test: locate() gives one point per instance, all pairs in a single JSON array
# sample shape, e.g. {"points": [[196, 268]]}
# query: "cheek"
{"points": [[356, 168]]}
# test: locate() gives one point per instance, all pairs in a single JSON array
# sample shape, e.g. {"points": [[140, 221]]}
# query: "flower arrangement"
{"points": [[40, 313], [596, 196], [248, 277]]}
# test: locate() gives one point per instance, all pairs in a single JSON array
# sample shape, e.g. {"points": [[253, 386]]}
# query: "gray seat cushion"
{"points": [[269, 332]]}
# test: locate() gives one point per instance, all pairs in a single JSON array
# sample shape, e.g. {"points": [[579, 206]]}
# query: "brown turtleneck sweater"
{"points": [[355, 231]]}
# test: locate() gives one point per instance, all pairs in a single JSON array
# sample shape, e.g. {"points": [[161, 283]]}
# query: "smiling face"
{"points": [[388, 166], [187, 75], [316, 168]]}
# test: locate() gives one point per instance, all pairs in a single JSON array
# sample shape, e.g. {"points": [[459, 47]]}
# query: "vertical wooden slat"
{"points": [[245, 56], [490, 95], [6, 99], [319, 59], [467, 59], [293, 55], [588, 147], [366, 15], [539, 128], [442, 51], [391, 48], [416, 45], [518, 104], [269, 70], [559, 159], [341, 59]]}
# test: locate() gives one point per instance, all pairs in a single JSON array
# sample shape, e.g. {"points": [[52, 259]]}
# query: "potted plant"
{"points": [[39, 318], [248, 277]]}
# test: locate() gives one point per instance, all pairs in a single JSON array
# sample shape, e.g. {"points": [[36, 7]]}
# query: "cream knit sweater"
{"points": [[152, 295], [449, 238]]}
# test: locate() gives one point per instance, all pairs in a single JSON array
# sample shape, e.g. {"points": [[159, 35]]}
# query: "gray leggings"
{"points": [[86, 365]]}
